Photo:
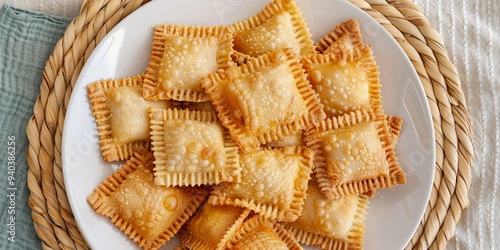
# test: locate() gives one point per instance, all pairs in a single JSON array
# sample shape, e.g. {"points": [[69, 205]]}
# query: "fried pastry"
{"points": [[260, 233], [212, 226], [394, 124], [264, 99], [330, 223], [345, 83], [181, 56], [121, 116], [279, 25], [296, 139], [240, 58], [192, 148], [347, 36], [273, 183], [354, 154], [149, 214]]}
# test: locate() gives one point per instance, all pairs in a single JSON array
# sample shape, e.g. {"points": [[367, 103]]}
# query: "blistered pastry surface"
{"points": [[273, 183], [354, 153], [129, 114], [275, 33], [191, 148], [185, 61]]}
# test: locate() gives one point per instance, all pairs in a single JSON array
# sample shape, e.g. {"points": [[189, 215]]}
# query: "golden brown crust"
{"points": [[212, 226], [273, 183], [150, 215], [296, 139], [330, 223], [394, 124], [345, 81], [346, 35], [192, 148], [265, 98], [121, 116], [279, 25], [354, 154], [240, 58], [260, 233], [181, 56]]}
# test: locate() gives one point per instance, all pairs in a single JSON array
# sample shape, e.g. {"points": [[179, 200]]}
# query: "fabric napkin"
{"points": [[26, 41]]}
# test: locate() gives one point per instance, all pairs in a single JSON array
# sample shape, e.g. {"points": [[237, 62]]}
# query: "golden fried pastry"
{"points": [[192, 148], [260, 233], [345, 83], [240, 58], [264, 99], [273, 183], [121, 115], [149, 214], [394, 127], [212, 226], [354, 154], [279, 25], [181, 56], [347, 36], [330, 223], [296, 139], [394, 123]]}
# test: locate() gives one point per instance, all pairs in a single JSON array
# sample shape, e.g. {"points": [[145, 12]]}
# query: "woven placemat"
{"points": [[51, 213]]}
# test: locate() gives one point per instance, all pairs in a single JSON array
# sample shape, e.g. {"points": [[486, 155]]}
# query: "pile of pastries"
{"points": [[247, 136]]}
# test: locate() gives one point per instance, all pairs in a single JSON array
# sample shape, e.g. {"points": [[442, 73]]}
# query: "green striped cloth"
{"points": [[26, 41]]}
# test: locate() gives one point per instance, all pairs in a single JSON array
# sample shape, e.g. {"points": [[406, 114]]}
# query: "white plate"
{"points": [[393, 214]]}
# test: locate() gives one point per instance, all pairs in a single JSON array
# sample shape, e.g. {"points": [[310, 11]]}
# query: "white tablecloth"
{"points": [[471, 32]]}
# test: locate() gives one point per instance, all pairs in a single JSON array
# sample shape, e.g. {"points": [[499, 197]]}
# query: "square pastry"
{"points": [[264, 99], [260, 233], [212, 226], [192, 148], [121, 115], [149, 214], [354, 154], [345, 82], [181, 56], [273, 183], [347, 36], [330, 223], [279, 25]]}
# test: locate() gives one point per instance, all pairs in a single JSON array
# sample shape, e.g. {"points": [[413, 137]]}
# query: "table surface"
{"points": [[471, 31]]}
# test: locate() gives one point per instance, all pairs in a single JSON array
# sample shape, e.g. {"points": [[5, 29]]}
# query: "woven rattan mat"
{"points": [[53, 219]]}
